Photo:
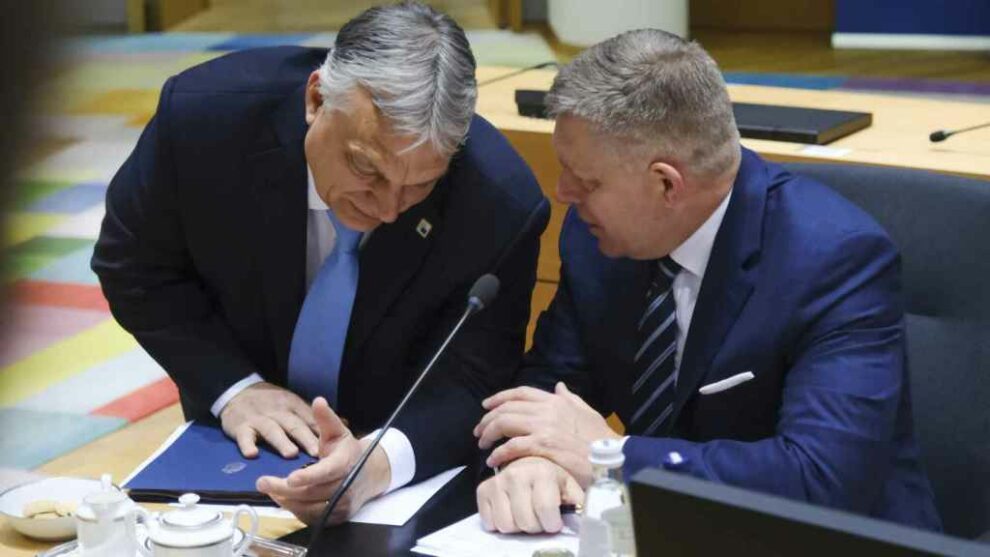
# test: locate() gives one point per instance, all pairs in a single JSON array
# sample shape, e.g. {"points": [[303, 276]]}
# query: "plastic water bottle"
{"points": [[606, 525]]}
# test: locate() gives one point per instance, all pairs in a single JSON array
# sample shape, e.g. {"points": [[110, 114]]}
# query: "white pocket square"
{"points": [[726, 384]]}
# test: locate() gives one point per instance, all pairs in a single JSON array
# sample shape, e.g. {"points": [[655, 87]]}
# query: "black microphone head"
{"points": [[940, 135], [483, 291]]}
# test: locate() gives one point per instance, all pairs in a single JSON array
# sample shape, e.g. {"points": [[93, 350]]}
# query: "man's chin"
{"points": [[354, 219], [608, 249]]}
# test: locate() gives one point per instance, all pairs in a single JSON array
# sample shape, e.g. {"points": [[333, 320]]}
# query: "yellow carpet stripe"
{"points": [[24, 226], [35, 373]]}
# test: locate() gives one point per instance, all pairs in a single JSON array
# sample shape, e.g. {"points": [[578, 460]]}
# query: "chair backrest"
{"points": [[941, 224]]}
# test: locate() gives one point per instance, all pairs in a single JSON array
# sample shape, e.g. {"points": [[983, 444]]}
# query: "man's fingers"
{"points": [[299, 431], [571, 492], [247, 441], [518, 393], [483, 496], [273, 433], [546, 505], [521, 501], [516, 448], [517, 407], [330, 468], [312, 493], [502, 512], [309, 513], [301, 408], [327, 422], [506, 425]]}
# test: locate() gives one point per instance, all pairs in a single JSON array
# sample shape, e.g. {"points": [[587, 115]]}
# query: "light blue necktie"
{"points": [[321, 331]]}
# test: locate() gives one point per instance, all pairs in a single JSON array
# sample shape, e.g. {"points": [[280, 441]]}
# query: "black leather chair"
{"points": [[941, 224]]}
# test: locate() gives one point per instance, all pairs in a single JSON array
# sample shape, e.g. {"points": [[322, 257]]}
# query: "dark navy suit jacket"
{"points": [[203, 250], [803, 290]]}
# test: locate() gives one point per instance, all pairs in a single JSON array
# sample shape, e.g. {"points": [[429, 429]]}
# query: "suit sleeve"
{"points": [[836, 423], [481, 360], [146, 273]]}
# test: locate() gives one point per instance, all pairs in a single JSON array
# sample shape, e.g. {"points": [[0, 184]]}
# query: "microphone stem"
{"points": [[472, 307], [971, 128]]}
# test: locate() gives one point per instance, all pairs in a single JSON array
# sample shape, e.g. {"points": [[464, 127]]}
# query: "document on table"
{"points": [[165, 466], [394, 509], [467, 538]]}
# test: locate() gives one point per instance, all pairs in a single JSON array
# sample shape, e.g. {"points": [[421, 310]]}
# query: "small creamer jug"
{"points": [[102, 525]]}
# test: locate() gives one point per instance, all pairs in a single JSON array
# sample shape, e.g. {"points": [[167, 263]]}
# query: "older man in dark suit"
{"points": [[299, 226]]}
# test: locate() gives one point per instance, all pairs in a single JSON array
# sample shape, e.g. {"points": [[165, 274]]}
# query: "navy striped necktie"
{"points": [[653, 389]]}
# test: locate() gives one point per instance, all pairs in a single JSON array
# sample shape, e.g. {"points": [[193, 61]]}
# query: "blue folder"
{"points": [[203, 460]]}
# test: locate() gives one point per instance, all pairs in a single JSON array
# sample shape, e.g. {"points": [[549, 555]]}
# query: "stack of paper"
{"points": [[467, 538]]}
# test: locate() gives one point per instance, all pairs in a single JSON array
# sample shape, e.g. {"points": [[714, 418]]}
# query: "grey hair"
{"points": [[656, 89], [416, 64]]}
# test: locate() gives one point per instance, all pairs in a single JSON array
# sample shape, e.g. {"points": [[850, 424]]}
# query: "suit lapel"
{"points": [[624, 283], [728, 280], [279, 170], [389, 259]]}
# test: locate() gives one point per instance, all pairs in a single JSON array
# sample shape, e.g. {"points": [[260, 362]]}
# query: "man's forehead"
{"points": [[393, 154]]}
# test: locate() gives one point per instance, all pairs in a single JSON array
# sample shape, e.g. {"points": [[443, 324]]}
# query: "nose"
{"points": [[568, 191], [389, 202]]}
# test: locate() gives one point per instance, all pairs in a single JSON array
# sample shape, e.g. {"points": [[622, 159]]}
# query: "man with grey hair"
{"points": [[297, 230], [745, 324]]}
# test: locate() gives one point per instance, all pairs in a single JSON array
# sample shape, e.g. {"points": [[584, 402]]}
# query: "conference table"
{"points": [[898, 137], [121, 452]]}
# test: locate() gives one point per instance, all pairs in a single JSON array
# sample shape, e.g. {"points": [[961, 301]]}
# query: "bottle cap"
{"points": [[607, 453]]}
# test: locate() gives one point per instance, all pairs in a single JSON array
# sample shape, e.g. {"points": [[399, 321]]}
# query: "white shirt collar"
{"points": [[315, 201], [693, 254]]}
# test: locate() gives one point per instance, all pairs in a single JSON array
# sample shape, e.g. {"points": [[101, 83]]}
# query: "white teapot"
{"points": [[102, 524], [193, 531]]}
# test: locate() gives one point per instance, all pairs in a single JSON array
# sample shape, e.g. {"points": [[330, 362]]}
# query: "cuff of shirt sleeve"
{"points": [[400, 455], [233, 391]]}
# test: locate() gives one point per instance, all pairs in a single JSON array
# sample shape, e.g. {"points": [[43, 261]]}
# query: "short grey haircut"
{"points": [[656, 89], [416, 64]]}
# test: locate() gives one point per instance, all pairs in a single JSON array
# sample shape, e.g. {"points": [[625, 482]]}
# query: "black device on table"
{"points": [[675, 514], [814, 126]]}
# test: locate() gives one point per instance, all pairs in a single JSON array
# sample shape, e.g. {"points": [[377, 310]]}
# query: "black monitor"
{"points": [[674, 514]]}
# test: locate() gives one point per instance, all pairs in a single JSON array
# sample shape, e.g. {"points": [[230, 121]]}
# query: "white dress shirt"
{"points": [[321, 237], [692, 256]]}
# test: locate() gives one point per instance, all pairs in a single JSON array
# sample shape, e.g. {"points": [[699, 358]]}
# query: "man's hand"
{"points": [[306, 491], [273, 413], [557, 426], [526, 496]]}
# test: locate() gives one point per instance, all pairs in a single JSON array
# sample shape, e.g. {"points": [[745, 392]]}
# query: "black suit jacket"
{"points": [[203, 249]]}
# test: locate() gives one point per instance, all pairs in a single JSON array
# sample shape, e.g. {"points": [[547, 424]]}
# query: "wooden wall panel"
{"points": [[763, 15], [168, 13]]}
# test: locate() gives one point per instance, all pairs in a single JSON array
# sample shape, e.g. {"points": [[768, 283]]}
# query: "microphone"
{"points": [[481, 295], [942, 135]]}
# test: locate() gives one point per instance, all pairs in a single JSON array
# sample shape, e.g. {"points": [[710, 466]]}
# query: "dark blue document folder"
{"points": [[205, 461]]}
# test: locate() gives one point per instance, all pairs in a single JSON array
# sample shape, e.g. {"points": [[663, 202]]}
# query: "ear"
{"points": [[314, 99], [668, 182]]}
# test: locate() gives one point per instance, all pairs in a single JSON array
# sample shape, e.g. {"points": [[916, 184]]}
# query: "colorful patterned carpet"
{"points": [[68, 373]]}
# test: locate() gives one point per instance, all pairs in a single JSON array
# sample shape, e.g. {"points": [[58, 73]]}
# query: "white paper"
{"points": [[823, 151], [394, 509], [467, 538]]}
